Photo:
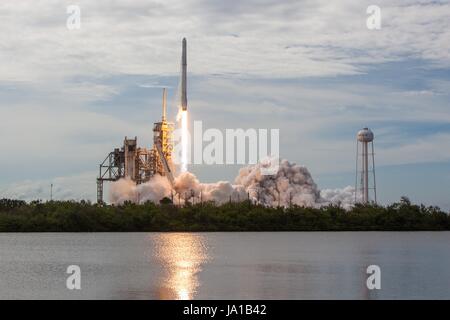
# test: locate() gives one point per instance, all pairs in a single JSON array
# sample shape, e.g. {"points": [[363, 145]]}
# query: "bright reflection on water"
{"points": [[181, 256]]}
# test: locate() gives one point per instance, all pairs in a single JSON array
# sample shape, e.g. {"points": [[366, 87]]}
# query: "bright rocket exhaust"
{"points": [[184, 140]]}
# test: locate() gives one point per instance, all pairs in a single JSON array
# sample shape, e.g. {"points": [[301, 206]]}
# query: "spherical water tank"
{"points": [[365, 135]]}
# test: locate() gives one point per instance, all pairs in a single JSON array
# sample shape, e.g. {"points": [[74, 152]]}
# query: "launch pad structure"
{"points": [[140, 164]]}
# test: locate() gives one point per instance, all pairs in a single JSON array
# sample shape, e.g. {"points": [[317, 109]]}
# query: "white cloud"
{"points": [[432, 148], [269, 39], [41, 137], [318, 123], [74, 187]]}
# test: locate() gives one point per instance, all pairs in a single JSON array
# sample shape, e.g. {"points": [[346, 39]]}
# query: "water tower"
{"points": [[363, 169]]}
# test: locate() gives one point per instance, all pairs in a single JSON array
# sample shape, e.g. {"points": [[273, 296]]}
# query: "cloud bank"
{"points": [[250, 38]]}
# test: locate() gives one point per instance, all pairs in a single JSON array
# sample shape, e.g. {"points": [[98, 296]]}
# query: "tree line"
{"points": [[84, 216]]}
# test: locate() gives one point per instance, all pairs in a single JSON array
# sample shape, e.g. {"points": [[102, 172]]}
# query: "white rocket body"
{"points": [[183, 77]]}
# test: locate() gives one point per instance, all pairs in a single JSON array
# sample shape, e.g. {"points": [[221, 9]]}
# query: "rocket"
{"points": [[183, 76]]}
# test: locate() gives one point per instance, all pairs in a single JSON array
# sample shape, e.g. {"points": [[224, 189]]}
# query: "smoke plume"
{"points": [[292, 184]]}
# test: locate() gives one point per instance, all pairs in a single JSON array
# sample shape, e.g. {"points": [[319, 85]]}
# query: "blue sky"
{"points": [[310, 68]]}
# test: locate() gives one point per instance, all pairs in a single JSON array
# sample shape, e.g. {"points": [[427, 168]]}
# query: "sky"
{"points": [[309, 68]]}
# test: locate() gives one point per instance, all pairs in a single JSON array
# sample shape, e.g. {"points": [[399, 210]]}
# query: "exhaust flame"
{"points": [[182, 117]]}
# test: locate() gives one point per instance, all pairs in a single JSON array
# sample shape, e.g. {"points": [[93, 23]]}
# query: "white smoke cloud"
{"points": [[345, 197], [187, 187], [126, 190], [123, 190], [293, 184]]}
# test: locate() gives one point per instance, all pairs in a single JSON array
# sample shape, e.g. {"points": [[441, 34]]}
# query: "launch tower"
{"points": [[140, 164]]}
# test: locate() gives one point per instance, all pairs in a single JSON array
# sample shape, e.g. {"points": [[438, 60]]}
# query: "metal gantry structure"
{"points": [[140, 164], [111, 169]]}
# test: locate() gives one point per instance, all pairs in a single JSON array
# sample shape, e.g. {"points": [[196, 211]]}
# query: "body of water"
{"points": [[221, 265]]}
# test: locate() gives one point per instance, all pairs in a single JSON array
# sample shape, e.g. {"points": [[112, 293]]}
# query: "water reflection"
{"points": [[182, 256]]}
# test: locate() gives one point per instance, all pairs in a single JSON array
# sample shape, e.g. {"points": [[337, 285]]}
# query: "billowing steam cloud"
{"points": [[292, 184], [345, 196], [126, 190]]}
